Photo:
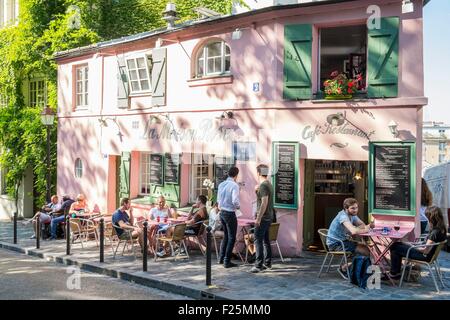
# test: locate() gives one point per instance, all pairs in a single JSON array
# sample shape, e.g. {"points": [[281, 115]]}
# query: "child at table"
{"points": [[437, 233]]}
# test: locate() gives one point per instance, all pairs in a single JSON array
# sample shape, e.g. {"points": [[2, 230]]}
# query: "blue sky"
{"points": [[437, 60]]}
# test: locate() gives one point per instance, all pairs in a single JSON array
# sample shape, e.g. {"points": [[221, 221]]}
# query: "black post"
{"points": [[102, 240], [144, 254], [48, 165], [38, 232], [68, 235], [15, 227], [208, 255]]}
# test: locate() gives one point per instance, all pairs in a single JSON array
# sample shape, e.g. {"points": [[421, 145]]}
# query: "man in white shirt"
{"points": [[228, 199]]}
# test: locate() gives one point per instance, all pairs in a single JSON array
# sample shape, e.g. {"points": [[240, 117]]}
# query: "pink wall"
{"points": [[263, 117]]}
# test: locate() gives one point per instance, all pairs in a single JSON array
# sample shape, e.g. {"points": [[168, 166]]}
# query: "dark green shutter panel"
{"points": [[383, 59], [124, 172], [123, 89], [297, 62], [159, 57]]}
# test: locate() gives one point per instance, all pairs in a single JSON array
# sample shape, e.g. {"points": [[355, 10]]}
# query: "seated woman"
{"points": [[196, 216], [437, 233], [214, 218], [79, 207]]}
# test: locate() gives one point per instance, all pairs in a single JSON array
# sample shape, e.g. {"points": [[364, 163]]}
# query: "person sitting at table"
{"points": [[45, 214], [60, 216], [197, 214], [343, 226], [80, 206], [122, 221], [437, 233], [214, 218]]}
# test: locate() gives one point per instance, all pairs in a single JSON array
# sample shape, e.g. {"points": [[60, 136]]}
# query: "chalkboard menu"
{"points": [[156, 169], [285, 180], [221, 167], [392, 181], [172, 168]]}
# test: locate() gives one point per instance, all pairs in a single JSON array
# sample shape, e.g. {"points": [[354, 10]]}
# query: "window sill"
{"points": [[140, 94], [209, 81]]}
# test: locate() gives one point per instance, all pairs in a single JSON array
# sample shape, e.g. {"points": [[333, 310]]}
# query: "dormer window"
{"points": [[213, 59]]}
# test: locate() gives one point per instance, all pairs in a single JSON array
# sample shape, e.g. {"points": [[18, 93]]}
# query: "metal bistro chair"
{"points": [[433, 262], [323, 233], [176, 238], [199, 235], [128, 239]]}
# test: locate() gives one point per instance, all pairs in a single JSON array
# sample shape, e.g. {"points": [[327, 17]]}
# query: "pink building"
{"points": [[159, 112]]}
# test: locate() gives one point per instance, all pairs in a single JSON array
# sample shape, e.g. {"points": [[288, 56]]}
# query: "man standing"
{"points": [[228, 199], [264, 218]]}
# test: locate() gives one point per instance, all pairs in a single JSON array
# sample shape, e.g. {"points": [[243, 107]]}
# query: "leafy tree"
{"points": [[44, 28]]}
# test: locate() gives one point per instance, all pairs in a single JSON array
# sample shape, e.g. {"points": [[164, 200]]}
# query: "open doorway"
{"points": [[327, 184]]}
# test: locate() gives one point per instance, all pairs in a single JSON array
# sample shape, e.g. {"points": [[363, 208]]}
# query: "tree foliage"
{"points": [[27, 48]]}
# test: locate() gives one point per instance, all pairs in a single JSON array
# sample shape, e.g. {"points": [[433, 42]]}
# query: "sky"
{"points": [[437, 60]]}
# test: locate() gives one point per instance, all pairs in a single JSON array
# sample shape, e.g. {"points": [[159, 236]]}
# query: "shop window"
{"points": [[78, 168], [202, 168], [138, 73], [145, 174], [81, 86], [343, 49], [38, 95], [213, 59]]}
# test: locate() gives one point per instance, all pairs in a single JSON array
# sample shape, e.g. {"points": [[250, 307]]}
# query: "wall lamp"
{"points": [[407, 6], [393, 128], [227, 121], [103, 124], [237, 33]]}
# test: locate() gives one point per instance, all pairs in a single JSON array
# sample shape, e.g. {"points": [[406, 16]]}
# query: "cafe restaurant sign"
{"points": [[337, 125]]}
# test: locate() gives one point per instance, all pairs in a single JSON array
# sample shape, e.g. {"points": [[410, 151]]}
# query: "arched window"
{"points": [[78, 168], [213, 59]]}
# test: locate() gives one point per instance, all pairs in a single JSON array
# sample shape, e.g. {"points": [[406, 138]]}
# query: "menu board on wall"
{"points": [[221, 167], [156, 169], [392, 180], [172, 168], [285, 164]]}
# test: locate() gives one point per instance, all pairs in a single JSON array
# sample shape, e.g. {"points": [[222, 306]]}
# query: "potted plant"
{"points": [[340, 87], [211, 194]]}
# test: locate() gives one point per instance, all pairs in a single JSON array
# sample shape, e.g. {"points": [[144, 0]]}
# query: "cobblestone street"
{"points": [[294, 279]]}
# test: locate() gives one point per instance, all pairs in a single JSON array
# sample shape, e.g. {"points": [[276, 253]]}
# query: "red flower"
{"points": [[339, 91], [350, 90], [359, 77], [350, 84]]}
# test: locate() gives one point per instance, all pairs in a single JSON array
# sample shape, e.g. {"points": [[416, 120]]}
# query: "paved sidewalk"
{"points": [[294, 279]]}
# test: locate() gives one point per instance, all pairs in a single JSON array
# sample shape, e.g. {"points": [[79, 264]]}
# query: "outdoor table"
{"points": [[385, 240], [105, 218]]}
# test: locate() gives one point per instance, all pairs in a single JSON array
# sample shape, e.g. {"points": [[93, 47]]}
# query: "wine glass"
{"points": [[397, 227]]}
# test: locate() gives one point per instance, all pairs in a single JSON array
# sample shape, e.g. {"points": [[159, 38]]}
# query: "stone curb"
{"points": [[138, 277]]}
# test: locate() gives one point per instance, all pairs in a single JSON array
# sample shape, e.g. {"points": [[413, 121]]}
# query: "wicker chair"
{"points": [[177, 237]]}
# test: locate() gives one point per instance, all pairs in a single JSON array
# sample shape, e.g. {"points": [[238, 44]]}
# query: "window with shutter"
{"points": [[297, 62], [159, 75], [383, 59]]}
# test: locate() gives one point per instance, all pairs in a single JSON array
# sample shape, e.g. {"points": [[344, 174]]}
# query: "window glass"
{"points": [[78, 168]]}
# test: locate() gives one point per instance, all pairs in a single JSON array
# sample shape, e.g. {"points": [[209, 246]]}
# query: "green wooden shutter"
{"points": [[383, 59], [159, 77], [123, 89], [124, 175], [297, 62]]}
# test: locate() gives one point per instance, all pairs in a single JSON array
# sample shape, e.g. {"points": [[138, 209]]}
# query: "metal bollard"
{"points": [[144, 254], [208, 255], [102, 240], [38, 232], [68, 235], [15, 227]]}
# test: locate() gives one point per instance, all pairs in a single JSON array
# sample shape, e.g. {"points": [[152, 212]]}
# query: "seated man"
{"points": [[197, 214], [161, 213], [122, 221], [60, 216], [45, 215], [343, 226]]}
